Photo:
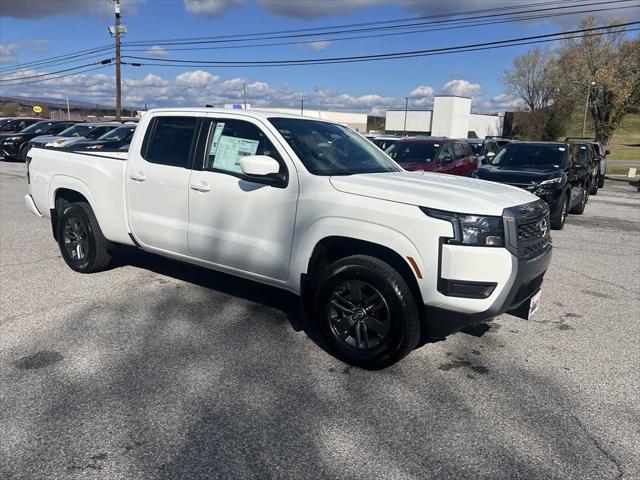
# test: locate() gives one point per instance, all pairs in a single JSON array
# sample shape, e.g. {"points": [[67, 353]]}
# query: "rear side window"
{"points": [[170, 140], [458, 150]]}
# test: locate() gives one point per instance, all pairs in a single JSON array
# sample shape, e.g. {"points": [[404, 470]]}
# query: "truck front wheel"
{"points": [[80, 239], [367, 312]]}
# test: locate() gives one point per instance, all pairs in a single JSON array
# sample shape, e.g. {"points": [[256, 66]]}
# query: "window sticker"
{"points": [[562, 149], [216, 138], [229, 151]]}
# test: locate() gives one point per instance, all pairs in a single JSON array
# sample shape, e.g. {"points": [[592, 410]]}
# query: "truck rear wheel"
{"points": [[367, 312], [80, 239]]}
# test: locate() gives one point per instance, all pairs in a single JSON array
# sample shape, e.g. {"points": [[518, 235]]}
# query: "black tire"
{"points": [[24, 150], [82, 245], [560, 216], [579, 208], [385, 331], [594, 187], [601, 181]]}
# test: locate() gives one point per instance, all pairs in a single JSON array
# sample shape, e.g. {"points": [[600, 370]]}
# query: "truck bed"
{"points": [[99, 176]]}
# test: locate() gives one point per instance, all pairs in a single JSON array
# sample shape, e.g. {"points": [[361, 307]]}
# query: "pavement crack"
{"points": [[610, 456], [597, 279]]}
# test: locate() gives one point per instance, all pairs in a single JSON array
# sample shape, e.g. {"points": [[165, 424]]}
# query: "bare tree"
{"points": [[612, 63], [532, 79]]}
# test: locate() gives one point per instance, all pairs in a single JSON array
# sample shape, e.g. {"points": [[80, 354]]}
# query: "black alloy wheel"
{"points": [[366, 311], [358, 315], [82, 245], [75, 238], [579, 208], [557, 221]]}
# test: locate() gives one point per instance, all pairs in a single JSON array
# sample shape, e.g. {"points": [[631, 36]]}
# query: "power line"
{"points": [[382, 56], [56, 77], [378, 35], [103, 62], [320, 30], [80, 53]]}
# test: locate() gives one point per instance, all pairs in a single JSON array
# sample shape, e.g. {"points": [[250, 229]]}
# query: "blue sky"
{"points": [[33, 30]]}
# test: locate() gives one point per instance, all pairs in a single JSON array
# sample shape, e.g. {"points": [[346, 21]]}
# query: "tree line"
{"points": [[597, 76]]}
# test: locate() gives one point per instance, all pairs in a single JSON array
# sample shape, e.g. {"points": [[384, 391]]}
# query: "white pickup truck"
{"points": [[381, 258]]}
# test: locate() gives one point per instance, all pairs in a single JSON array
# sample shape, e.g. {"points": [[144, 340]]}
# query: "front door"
{"points": [[235, 221]]}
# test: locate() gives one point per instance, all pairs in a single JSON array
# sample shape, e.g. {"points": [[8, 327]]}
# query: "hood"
{"points": [[510, 175], [45, 139], [435, 190]]}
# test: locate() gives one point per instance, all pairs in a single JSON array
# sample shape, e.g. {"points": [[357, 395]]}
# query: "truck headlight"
{"points": [[475, 230]]}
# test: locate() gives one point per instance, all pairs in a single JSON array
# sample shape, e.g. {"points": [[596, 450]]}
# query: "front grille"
{"points": [[528, 228]]}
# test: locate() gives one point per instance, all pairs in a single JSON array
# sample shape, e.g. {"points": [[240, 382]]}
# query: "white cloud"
{"points": [[157, 51], [199, 87], [462, 88], [313, 8], [48, 8], [9, 52], [319, 45], [211, 8]]}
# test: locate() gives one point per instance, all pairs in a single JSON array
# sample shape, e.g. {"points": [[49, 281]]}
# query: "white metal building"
{"points": [[451, 117]]}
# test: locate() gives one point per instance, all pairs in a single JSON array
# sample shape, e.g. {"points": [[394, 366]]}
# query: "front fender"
{"points": [[350, 228]]}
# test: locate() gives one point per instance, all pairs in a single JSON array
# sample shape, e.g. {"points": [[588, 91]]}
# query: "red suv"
{"points": [[432, 154]]}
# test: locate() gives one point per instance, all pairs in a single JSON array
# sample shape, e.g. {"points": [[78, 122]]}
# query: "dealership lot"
{"points": [[156, 369]]}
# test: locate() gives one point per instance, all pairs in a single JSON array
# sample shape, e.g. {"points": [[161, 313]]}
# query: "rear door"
{"points": [[157, 183], [238, 222]]}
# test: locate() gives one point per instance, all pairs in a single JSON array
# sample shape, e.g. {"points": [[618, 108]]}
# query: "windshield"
{"points": [[38, 127], [330, 149], [405, 152], [119, 134], [536, 156], [75, 131], [476, 147]]}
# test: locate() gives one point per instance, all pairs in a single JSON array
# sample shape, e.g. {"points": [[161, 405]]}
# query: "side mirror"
{"points": [[262, 167], [607, 152]]}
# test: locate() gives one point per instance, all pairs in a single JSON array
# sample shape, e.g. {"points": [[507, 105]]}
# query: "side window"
{"points": [[446, 153], [170, 140], [230, 140], [458, 150]]}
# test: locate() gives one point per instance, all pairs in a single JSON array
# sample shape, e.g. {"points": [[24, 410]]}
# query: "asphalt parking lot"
{"points": [[155, 369]]}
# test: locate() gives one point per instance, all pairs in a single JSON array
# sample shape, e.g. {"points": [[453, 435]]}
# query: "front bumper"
{"points": [[9, 149], [491, 281], [441, 322]]}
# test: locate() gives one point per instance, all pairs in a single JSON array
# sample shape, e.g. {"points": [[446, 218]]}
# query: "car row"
{"points": [[19, 135]]}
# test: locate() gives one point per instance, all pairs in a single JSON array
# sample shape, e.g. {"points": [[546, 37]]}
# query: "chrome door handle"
{"points": [[200, 187], [138, 177]]}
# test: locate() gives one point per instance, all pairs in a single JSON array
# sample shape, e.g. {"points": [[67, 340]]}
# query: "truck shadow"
{"points": [[281, 300]]}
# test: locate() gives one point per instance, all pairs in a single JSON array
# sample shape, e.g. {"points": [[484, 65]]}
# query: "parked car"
{"points": [[17, 124], [434, 154], [592, 159], [385, 141], [556, 172], [16, 145], [380, 256], [75, 133], [601, 153], [490, 148], [476, 145], [117, 139]]}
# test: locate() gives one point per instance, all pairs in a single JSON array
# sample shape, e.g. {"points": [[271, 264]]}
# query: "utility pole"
{"points": [[406, 107], [586, 107], [302, 106], [244, 93], [68, 110], [115, 32]]}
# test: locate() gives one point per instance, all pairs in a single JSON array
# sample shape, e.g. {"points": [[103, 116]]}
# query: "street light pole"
{"points": [[406, 107], [302, 106], [586, 107]]}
